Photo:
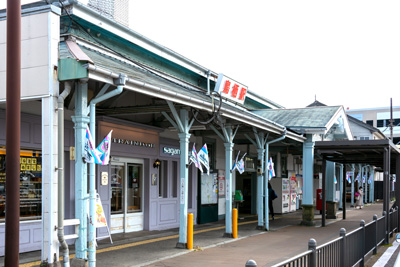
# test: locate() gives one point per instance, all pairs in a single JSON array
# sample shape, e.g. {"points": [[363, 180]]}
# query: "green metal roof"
{"points": [[312, 117]]}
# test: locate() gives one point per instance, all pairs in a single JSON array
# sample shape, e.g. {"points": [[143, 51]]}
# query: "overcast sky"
{"points": [[343, 52]]}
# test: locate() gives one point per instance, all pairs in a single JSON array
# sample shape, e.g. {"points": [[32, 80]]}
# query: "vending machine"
{"points": [[281, 187], [293, 194]]}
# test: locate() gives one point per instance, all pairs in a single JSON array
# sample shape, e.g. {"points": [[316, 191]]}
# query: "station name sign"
{"points": [[132, 142], [231, 89], [171, 151]]}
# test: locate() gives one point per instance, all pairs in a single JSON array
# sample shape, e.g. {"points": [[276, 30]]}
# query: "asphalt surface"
{"points": [[285, 239]]}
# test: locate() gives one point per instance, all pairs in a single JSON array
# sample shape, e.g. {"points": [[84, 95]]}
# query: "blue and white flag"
{"points": [[371, 179], [348, 178], [358, 178], [235, 163], [104, 150], [99, 155], [195, 159], [335, 180], [270, 167], [203, 158], [363, 179], [239, 165], [90, 150]]}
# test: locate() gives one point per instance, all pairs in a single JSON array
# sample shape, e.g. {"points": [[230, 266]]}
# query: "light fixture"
{"points": [[156, 163]]}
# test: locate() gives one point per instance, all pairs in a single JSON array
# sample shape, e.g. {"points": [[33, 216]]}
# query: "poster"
{"points": [[209, 188]]}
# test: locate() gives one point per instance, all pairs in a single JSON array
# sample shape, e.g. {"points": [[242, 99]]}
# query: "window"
{"points": [[30, 184], [175, 179], [364, 138], [370, 122], [134, 192], [163, 184]]}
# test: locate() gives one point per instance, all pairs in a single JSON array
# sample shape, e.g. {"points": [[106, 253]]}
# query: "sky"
{"points": [[290, 51]]}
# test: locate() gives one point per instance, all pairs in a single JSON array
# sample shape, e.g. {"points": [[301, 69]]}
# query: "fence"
{"points": [[349, 249]]}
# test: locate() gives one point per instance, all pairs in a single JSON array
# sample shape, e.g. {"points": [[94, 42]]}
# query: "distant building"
{"points": [[379, 118]]}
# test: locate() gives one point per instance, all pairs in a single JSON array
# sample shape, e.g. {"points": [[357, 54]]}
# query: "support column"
{"points": [[323, 191], [366, 185], [397, 185], [308, 180], [372, 186], [184, 179], [81, 121], [331, 203], [343, 177], [228, 185], [386, 193], [353, 169], [260, 190], [49, 180], [342, 186]]}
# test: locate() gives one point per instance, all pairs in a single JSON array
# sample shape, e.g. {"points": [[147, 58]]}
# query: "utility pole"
{"points": [[391, 120], [13, 131]]}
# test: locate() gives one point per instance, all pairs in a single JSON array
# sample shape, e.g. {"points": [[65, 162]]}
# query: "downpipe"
{"points": [[60, 229], [120, 82], [266, 177]]}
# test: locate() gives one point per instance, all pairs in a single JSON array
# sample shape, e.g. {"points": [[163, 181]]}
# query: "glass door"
{"points": [[126, 195], [117, 184]]}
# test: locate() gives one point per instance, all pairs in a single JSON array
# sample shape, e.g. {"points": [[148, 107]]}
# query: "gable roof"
{"points": [[311, 117]]}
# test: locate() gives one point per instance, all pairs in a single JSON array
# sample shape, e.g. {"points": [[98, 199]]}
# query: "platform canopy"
{"points": [[358, 152]]}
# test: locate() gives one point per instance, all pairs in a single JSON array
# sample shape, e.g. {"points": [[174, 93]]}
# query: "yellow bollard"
{"points": [[234, 222], [190, 231]]}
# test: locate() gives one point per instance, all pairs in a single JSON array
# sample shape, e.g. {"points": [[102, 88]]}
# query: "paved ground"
{"points": [[285, 239]]}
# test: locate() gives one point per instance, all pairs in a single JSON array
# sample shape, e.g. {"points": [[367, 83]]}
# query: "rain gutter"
{"points": [[60, 229]]}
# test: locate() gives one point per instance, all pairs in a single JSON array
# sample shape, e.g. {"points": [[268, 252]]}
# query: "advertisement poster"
{"points": [[221, 186], [100, 216], [209, 188]]}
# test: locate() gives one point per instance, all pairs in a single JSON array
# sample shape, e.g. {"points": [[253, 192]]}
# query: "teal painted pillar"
{"points": [[372, 186], [228, 185], [260, 189], [81, 121], [342, 186], [184, 178], [266, 193], [330, 181], [353, 169], [308, 171], [366, 185]]}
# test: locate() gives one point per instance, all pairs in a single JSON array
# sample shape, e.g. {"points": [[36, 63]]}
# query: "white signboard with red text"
{"points": [[231, 89]]}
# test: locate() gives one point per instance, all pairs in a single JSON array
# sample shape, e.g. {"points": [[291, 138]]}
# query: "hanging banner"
{"points": [[271, 170], [203, 158], [194, 158], [99, 155], [348, 176]]}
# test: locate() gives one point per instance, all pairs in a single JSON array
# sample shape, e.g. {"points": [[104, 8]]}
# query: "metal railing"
{"points": [[349, 249]]}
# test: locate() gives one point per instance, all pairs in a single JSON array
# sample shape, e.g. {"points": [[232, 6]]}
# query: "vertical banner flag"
{"points": [[348, 178], [271, 170], [89, 150], [240, 165], [363, 179], [371, 178], [358, 178], [235, 163], [99, 155], [195, 158], [203, 158], [104, 150], [335, 180]]}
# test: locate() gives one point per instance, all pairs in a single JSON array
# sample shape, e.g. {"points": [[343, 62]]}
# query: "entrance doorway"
{"points": [[126, 196]]}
